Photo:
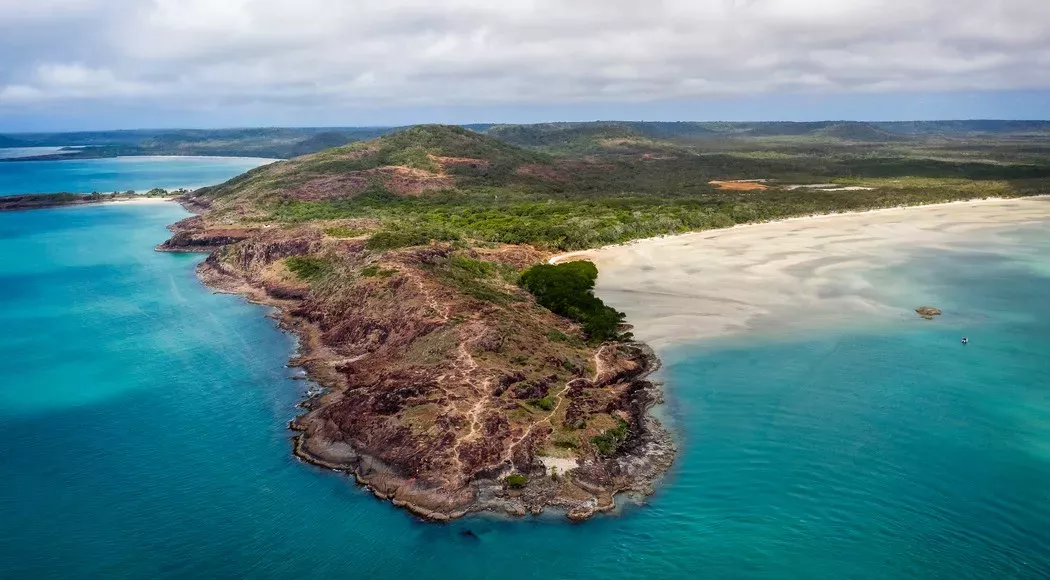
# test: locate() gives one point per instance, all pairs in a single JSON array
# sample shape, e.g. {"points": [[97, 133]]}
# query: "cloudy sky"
{"points": [[80, 64]]}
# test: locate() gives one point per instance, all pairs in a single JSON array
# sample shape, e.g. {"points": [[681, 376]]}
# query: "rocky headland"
{"points": [[448, 389]]}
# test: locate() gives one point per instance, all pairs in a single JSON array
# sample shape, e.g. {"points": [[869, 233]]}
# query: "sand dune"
{"points": [[800, 271]]}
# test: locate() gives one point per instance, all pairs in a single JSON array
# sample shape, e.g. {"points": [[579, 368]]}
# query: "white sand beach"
{"points": [[141, 200], [805, 270]]}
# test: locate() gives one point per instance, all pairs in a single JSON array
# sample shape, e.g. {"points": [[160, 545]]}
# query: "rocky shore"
{"points": [[438, 402]]}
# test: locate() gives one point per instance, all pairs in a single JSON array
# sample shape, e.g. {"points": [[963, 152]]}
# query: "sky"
{"points": [[102, 64]]}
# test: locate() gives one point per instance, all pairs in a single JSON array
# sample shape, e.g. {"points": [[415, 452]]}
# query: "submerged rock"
{"points": [[928, 312]]}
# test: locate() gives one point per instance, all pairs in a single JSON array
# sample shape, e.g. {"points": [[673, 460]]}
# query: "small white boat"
{"points": [[965, 340]]}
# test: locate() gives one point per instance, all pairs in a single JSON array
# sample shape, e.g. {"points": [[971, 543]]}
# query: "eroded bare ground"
{"points": [[439, 391]]}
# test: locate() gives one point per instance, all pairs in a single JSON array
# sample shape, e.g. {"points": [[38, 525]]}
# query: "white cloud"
{"points": [[197, 53]]}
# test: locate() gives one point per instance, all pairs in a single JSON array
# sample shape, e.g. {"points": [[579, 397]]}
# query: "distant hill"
{"points": [[624, 138], [583, 137], [966, 127], [854, 131], [577, 138], [322, 141], [407, 163], [6, 142]]}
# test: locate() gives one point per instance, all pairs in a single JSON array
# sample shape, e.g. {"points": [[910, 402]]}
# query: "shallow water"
{"points": [[144, 436], [120, 174]]}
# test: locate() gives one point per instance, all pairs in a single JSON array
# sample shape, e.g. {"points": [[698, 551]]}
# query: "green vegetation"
{"points": [[516, 481], [566, 443], [308, 268], [475, 278], [582, 185], [403, 238], [376, 272], [611, 439], [559, 336], [568, 290], [546, 403]]}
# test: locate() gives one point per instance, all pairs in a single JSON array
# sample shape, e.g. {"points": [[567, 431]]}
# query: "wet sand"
{"points": [[800, 271]]}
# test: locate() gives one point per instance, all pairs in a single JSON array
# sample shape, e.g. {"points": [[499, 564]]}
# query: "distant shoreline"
{"points": [[52, 200], [74, 156]]}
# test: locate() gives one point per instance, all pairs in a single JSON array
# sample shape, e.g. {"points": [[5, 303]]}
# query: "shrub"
{"points": [[546, 403], [308, 268], [568, 290], [473, 278], [516, 480], [608, 442], [566, 444], [557, 336], [403, 238], [376, 272]]}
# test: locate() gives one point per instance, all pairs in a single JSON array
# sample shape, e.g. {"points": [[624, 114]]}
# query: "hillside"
{"points": [[408, 163], [11, 142], [579, 186]]}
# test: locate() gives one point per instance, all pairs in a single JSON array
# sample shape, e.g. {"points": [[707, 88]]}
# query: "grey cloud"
{"points": [[203, 53]]}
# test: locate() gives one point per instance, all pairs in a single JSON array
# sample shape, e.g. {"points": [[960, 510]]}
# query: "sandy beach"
{"points": [[800, 271], [141, 200]]}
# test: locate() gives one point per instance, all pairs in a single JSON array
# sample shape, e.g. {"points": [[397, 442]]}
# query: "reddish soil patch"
{"points": [[409, 181], [400, 180], [520, 257], [460, 162], [739, 185]]}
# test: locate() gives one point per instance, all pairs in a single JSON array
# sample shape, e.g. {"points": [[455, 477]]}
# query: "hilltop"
{"points": [[410, 162]]}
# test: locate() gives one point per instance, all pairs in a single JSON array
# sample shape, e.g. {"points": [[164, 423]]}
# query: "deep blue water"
{"points": [[119, 174], [143, 423]]}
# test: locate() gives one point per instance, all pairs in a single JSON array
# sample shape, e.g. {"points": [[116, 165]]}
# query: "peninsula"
{"points": [[462, 372]]}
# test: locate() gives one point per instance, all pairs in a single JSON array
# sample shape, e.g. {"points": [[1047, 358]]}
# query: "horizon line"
{"points": [[406, 125]]}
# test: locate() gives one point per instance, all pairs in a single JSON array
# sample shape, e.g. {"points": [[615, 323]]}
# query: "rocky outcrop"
{"points": [[927, 312], [433, 396], [203, 242]]}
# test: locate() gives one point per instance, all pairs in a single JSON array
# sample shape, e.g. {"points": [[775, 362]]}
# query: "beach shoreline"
{"points": [[822, 216], [49, 201], [786, 274]]}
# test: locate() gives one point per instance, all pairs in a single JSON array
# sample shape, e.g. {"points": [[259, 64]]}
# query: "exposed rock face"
{"points": [[927, 312], [435, 396], [190, 235]]}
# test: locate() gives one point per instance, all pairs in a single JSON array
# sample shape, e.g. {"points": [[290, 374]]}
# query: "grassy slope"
{"points": [[570, 186]]}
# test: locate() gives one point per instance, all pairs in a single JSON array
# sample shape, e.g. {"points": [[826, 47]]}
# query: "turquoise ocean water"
{"points": [[143, 423], [119, 174]]}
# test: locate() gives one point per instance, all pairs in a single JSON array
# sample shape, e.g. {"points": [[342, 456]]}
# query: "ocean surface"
{"points": [[120, 173], [144, 436]]}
